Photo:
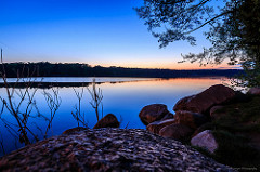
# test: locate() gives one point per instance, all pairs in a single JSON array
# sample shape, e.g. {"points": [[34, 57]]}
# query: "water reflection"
{"points": [[124, 99]]}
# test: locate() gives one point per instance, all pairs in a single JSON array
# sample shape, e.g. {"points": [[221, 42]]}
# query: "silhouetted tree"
{"points": [[233, 29]]}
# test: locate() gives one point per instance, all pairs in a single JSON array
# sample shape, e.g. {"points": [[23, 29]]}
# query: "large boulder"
{"points": [[200, 103], [254, 91], [156, 126], [190, 119], [206, 140], [176, 131], [154, 112], [109, 121]]}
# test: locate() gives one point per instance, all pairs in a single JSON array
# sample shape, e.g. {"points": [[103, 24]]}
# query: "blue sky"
{"points": [[103, 32]]}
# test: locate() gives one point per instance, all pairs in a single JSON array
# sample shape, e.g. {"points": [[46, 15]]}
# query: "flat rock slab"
{"points": [[109, 150]]}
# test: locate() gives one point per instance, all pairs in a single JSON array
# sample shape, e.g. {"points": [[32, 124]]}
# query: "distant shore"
{"points": [[46, 69]]}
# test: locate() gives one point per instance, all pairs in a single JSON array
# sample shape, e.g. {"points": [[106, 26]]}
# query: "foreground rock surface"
{"points": [[200, 103], [108, 150], [154, 112]]}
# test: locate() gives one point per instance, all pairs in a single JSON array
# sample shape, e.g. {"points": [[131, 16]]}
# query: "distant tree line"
{"points": [[46, 69]]}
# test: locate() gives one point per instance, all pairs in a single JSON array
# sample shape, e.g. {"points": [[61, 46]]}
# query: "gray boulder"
{"points": [[206, 140]]}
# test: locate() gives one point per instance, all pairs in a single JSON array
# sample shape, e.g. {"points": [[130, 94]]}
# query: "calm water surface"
{"points": [[78, 79], [123, 97]]}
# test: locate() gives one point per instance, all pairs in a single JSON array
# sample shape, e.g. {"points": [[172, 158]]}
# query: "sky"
{"points": [[103, 32]]}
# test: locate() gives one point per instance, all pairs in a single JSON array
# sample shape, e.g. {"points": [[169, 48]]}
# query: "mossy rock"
{"points": [[240, 117], [235, 132], [235, 151]]}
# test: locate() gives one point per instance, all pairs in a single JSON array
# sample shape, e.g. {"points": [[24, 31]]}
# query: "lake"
{"points": [[123, 97]]}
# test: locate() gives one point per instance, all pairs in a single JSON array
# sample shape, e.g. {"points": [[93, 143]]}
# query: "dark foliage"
{"points": [[235, 151], [232, 27], [237, 132]]}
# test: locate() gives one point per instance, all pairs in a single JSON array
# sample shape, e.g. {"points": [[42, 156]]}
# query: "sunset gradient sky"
{"points": [[104, 32]]}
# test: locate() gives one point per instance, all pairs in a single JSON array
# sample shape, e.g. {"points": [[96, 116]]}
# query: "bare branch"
{"points": [[97, 98]]}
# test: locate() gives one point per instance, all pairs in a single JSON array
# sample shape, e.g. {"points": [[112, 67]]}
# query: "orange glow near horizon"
{"points": [[156, 62], [178, 66], [153, 63]]}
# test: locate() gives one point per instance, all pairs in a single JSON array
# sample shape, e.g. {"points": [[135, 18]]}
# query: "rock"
{"points": [[73, 130], [166, 117], [254, 91], [156, 126], [176, 131], [190, 119], [216, 113], [254, 138], [109, 121], [201, 103], [206, 126], [206, 140], [215, 109], [109, 150], [153, 113]]}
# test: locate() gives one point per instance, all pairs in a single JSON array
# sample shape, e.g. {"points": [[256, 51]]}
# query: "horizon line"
{"points": [[108, 66]]}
